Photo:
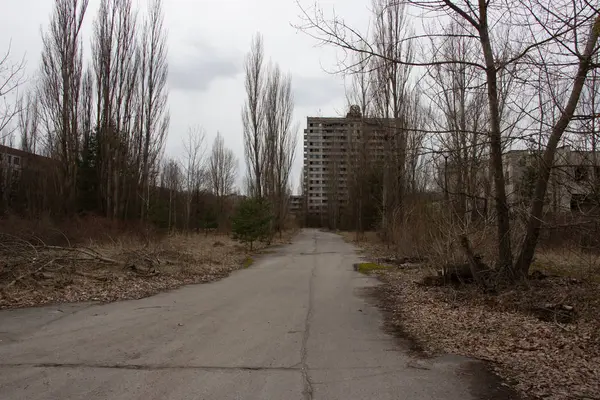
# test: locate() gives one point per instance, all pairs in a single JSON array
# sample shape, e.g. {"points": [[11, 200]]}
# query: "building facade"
{"points": [[334, 148], [11, 162], [574, 180], [573, 186]]}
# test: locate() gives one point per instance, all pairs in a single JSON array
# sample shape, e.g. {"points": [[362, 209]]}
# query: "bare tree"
{"points": [[458, 100], [252, 115], [29, 122], [359, 95], [12, 75], [390, 97], [61, 77], [279, 141], [194, 168], [222, 171], [153, 94], [116, 68], [171, 181]]}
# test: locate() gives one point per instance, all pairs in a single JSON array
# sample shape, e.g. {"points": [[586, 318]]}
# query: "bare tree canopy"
{"points": [[61, 80], [12, 76], [253, 114], [222, 168]]}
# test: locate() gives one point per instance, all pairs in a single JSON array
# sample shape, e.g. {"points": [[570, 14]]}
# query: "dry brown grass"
{"points": [[34, 273], [568, 261]]}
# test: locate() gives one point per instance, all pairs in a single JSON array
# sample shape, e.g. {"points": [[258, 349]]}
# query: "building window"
{"points": [[9, 159], [310, 125], [17, 161]]}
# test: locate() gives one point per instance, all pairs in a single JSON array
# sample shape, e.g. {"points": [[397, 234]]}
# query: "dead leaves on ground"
{"points": [[544, 359]]}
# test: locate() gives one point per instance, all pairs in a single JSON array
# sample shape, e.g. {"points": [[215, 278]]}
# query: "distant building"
{"points": [[574, 180], [332, 148], [573, 186], [27, 181], [11, 162]]}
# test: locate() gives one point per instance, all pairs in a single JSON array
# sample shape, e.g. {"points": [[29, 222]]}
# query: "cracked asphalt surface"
{"points": [[293, 326]]}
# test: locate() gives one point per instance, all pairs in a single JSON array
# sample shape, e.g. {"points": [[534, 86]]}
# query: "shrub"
{"points": [[252, 221]]}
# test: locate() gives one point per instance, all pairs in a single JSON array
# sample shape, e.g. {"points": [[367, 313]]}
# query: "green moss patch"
{"points": [[248, 262], [367, 268]]}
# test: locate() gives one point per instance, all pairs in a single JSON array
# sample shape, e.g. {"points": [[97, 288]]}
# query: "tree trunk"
{"points": [[502, 210]]}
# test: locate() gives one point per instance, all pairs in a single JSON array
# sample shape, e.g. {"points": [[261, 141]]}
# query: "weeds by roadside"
{"points": [[35, 273]]}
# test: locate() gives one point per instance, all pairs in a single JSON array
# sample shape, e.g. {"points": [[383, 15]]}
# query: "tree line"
{"points": [[103, 119]]}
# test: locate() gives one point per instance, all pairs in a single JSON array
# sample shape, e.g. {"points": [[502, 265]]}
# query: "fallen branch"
{"points": [[92, 254], [23, 276]]}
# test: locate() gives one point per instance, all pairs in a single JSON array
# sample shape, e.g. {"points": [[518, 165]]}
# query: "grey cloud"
{"points": [[201, 65], [314, 91]]}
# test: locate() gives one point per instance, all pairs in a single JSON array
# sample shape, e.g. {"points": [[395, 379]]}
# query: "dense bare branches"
{"points": [[29, 122], [11, 77], [279, 141], [194, 168], [222, 169], [171, 180], [115, 70], [153, 92], [269, 137], [253, 114], [62, 71]]}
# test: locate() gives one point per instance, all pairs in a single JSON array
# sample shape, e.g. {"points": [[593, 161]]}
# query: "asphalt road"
{"points": [[296, 325]]}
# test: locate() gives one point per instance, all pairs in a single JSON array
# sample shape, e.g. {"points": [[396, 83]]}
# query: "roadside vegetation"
{"points": [[94, 259]]}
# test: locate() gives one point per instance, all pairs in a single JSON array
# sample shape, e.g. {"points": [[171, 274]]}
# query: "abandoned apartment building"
{"points": [[25, 178], [573, 185], [333, 147]]}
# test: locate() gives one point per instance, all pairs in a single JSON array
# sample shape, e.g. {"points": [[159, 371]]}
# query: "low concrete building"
{"points": [[574, 184]]}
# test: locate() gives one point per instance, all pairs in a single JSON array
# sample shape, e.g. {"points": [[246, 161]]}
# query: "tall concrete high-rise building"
{"points": [[333, 149]]}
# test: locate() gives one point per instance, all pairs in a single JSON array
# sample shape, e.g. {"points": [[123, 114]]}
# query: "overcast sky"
{"points": [[208, 40]]}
